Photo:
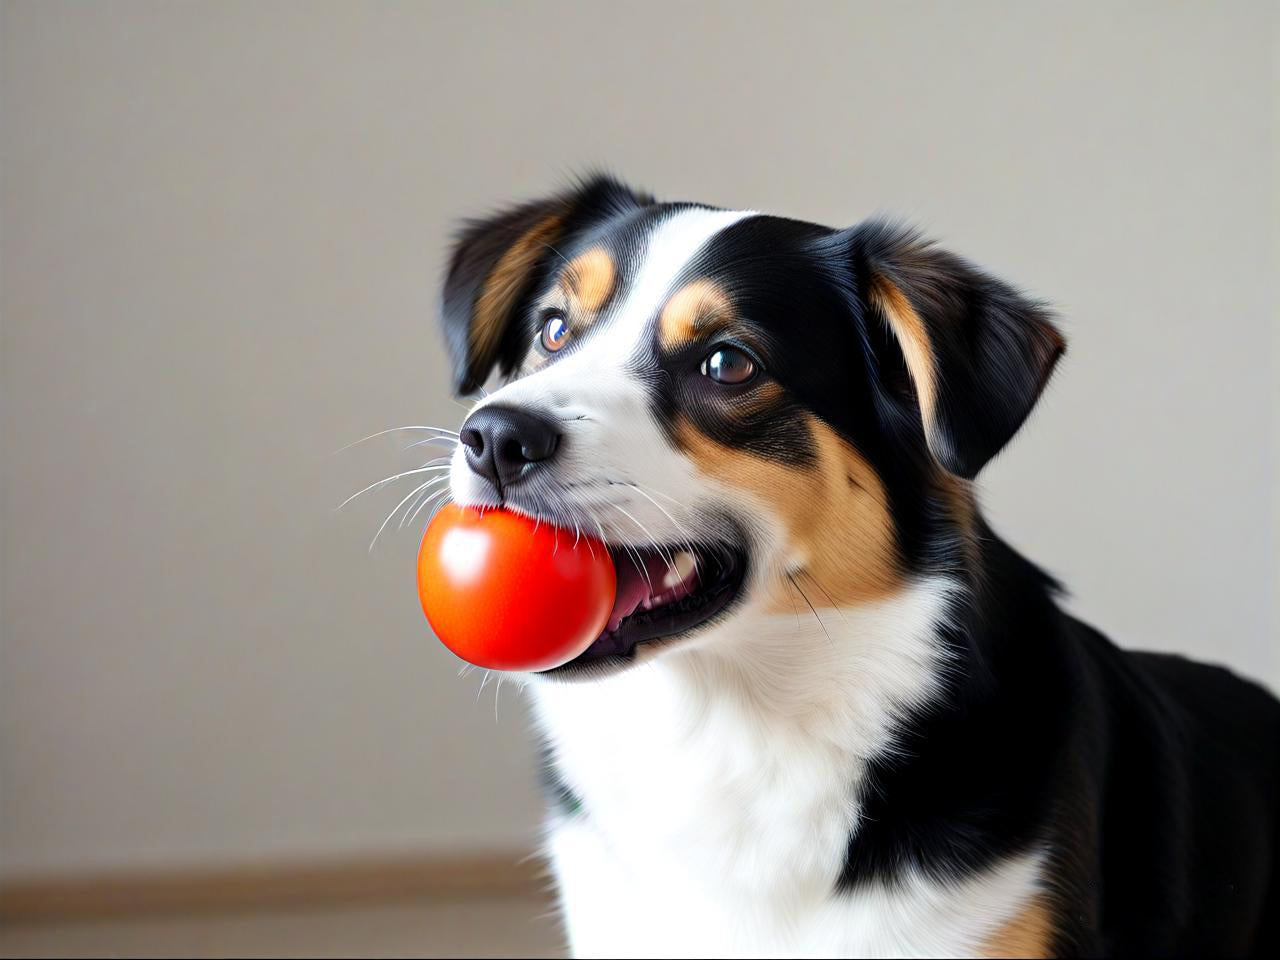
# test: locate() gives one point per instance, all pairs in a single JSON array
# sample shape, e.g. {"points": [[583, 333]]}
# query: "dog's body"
{"points": [[1081, 800], [848, 719]]}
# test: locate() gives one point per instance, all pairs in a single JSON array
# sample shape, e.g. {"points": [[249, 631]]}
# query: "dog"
{"points": [[832, 713]]}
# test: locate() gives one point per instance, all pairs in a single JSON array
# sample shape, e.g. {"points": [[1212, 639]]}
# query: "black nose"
{"points": [[503, 443]]}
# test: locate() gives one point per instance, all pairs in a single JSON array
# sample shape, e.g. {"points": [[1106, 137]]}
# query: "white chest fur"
{"points": [[720, 789]]}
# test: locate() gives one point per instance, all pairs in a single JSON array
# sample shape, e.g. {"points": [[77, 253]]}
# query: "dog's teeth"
{"points": [[682, 564]]}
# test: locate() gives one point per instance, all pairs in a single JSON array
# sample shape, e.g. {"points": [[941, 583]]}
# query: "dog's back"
{"points": [[1187, 791]]}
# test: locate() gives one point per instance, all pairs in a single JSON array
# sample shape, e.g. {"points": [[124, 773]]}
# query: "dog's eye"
{"points": [[555, 331], [728, 365]]}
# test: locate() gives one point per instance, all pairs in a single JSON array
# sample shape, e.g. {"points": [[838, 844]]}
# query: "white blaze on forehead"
{"points": [[670, 248]]}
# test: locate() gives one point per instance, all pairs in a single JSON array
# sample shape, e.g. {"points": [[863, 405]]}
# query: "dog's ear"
{"points": [[498, 264], [977, 351]]}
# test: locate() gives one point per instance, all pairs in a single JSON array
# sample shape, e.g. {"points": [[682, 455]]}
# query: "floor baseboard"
{"points": [[195, 888]]}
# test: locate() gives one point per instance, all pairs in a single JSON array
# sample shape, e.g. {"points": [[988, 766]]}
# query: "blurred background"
{"points": [[224, 725]]}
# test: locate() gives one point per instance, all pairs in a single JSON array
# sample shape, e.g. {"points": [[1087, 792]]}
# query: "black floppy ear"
{"points": [[978, 352], [499, 263]]}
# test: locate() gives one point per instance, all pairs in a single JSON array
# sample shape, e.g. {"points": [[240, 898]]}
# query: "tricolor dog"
{"points": [[833, 714]]}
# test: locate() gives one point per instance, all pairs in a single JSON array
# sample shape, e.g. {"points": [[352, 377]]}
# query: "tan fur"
{"points": [[913, 339], [835, 513], [504, 283], [694, 310], [1029, 934], [589, 280], [957, 494]]}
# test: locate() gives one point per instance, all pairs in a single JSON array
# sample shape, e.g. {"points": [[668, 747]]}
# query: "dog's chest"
{"points": [[692, 819], [708, 829]]}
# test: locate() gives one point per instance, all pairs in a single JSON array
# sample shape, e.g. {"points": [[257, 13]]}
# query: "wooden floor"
{"points": [[489, 927]]}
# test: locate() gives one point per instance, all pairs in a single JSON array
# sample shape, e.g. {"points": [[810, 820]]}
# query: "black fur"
{"points": [[993, 348], [1151, 780], [479, 246]]}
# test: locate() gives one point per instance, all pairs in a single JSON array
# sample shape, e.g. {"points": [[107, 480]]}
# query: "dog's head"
{"points": [[737, 404]]}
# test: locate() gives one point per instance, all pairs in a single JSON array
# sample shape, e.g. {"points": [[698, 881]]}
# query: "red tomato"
{"points": [[505, 592]]}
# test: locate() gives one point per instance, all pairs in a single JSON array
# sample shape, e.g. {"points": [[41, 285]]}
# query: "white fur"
{"points": [[719, 784], [719, 777]]}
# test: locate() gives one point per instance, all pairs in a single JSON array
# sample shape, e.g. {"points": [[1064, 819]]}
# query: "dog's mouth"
{"points": [[662, 594]]}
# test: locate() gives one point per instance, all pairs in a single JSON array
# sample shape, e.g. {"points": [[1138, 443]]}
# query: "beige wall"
{"points": [[223, 228]]}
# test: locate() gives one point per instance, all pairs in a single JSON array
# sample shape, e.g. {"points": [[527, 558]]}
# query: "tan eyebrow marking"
{"points": [[696, 308], [589, 279]]}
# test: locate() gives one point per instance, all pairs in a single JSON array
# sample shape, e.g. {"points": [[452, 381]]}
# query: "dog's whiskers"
{"points": [[441, 440], [639, 562], [811, 608], [577, 515], [382, 433], [429, 467], [426, 499], [412, 493], [834, 606], [599, 529], [440, 502], [687, 539], [665, 554]]}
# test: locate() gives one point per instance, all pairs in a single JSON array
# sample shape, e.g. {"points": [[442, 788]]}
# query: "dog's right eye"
{"points": [[555, 331], [728, 365]]}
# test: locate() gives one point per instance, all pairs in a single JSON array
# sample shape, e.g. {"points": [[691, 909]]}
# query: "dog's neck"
{"points": [[828, 720], [770, 723], [735, 786]]}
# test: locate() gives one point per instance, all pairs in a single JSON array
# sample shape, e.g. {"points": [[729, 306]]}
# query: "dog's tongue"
{"points": [[648, 580]]}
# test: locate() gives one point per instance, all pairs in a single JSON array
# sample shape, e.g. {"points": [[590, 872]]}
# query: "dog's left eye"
{"points": [[555, 331], [728, 365]]}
